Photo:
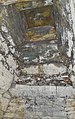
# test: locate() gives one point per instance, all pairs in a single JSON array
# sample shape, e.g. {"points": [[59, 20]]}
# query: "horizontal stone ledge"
{"points": [[54, 117], [48, 69], [44, 91], [36, 62]]}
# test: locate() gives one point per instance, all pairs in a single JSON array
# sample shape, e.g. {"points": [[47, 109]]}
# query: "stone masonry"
{"points": [[37, 79]]}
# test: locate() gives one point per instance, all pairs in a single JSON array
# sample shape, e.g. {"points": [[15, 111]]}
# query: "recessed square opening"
{"points": [[39, 17], [36, 20], [39, 23]]}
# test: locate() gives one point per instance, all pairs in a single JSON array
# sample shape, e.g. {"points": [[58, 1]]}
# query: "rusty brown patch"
{"points": [[73, 106]]}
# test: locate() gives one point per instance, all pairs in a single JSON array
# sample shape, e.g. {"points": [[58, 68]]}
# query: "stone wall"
{"points": [[38, 88]]}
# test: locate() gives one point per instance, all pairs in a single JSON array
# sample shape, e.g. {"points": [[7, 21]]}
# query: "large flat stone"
{"points": [[62, 92], [6, 79]]}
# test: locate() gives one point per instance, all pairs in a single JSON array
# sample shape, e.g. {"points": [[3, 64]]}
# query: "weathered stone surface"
{"points": [[46, 101], [5, 79], [37, 79], [7, 95], [3, 103], [1, 114]]}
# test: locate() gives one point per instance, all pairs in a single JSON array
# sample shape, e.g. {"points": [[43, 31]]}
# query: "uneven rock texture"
{"points": [[37, 79]]}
